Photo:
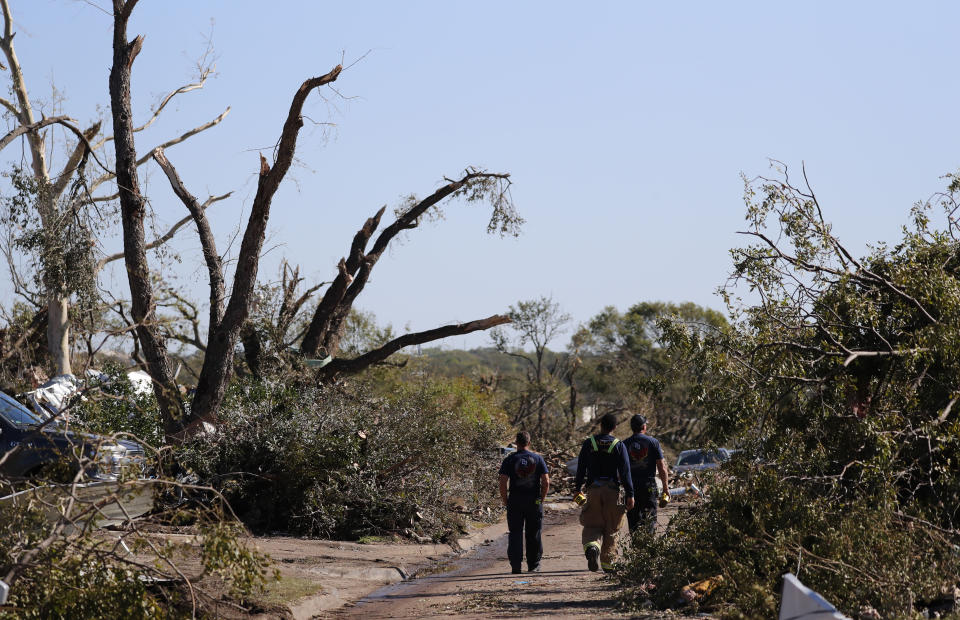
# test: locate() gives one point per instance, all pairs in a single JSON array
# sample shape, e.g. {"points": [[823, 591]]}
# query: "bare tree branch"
{"points": [[341, 366], [167, 236], [109, 198], [289, 307], [9, 105], [207, 241], [323, 315], [110, 176], [189, 312], [323, 335], [76, 156], [179, 91], [22, 129]]}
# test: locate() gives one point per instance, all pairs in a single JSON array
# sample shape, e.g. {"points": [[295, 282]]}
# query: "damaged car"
{"points": [[31, 447], [700, 460]]}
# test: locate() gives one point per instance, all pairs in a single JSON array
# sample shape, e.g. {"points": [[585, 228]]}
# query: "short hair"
{"points": [[523, 439], [637, 423], [608, 423]]}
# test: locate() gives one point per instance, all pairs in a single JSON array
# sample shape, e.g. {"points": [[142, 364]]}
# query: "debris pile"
{"points": [[561, 478]]}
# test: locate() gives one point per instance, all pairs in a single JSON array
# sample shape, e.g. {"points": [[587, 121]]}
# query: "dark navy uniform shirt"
{"points": [[644, 453], [524, 469], [604, 464]]}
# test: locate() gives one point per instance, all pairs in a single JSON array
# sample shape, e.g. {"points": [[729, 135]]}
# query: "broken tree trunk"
{"points": [[133, 210], [227, 322]]}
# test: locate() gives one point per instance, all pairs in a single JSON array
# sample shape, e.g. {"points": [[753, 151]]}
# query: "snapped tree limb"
{"points": [[349, 366], [326, 326]]}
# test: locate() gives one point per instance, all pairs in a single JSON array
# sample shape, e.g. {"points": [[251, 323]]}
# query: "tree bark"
{"points": [[132, 209], [252, 349]]}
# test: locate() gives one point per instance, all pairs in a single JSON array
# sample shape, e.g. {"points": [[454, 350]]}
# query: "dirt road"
{"points": [[479, 584]]}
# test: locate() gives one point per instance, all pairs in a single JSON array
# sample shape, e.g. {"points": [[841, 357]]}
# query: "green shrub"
{"points": [[60, 567], [336, 463], [111, 405], [758, 526]]}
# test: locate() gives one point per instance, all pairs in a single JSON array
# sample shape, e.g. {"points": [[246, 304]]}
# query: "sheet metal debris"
{"points": [[799, 601]]}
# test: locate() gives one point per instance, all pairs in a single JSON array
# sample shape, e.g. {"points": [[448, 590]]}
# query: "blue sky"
{"points": [[625, 126]]}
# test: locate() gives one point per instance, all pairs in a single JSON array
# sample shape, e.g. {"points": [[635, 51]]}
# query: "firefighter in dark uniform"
{"points": [[646, 463], [604, 466], [529, 482]]}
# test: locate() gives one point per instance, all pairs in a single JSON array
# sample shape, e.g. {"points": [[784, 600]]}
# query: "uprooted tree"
{"points": [[227, 315]]}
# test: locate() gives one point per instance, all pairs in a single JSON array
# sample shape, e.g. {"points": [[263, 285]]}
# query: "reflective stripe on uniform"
{"points": [[587, 546], [596, 448]]}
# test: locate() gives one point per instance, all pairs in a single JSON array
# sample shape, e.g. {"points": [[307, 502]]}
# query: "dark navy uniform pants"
{"points": [[525, 521], [645, 506]]}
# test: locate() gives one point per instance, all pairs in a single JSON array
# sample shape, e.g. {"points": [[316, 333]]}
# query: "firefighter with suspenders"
{"points": [[604, 466]]}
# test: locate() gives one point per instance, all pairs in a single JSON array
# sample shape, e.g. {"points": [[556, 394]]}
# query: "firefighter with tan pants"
{"points": [[604, 466]]}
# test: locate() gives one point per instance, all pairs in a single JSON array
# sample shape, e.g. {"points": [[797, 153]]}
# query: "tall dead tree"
{"points": [[226, 317], [133, 211]]}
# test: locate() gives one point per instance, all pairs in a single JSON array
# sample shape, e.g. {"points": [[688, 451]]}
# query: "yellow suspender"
{"points": [[593, 443]]}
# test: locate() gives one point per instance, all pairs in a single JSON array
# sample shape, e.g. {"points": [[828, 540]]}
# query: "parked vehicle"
{"points": [[31, 446], [699, 460]]}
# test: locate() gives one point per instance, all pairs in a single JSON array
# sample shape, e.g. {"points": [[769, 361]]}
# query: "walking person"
{"points": [[646, 463], [529, 481], [605, 467]]}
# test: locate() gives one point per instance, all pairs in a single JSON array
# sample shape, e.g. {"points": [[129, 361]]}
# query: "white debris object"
{"points": [[799, 601], [4, 591], [52, 396], [690, 488], [140, 381]]}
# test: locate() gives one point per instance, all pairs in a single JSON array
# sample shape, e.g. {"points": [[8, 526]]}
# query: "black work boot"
{"points": [[593, 554]]}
